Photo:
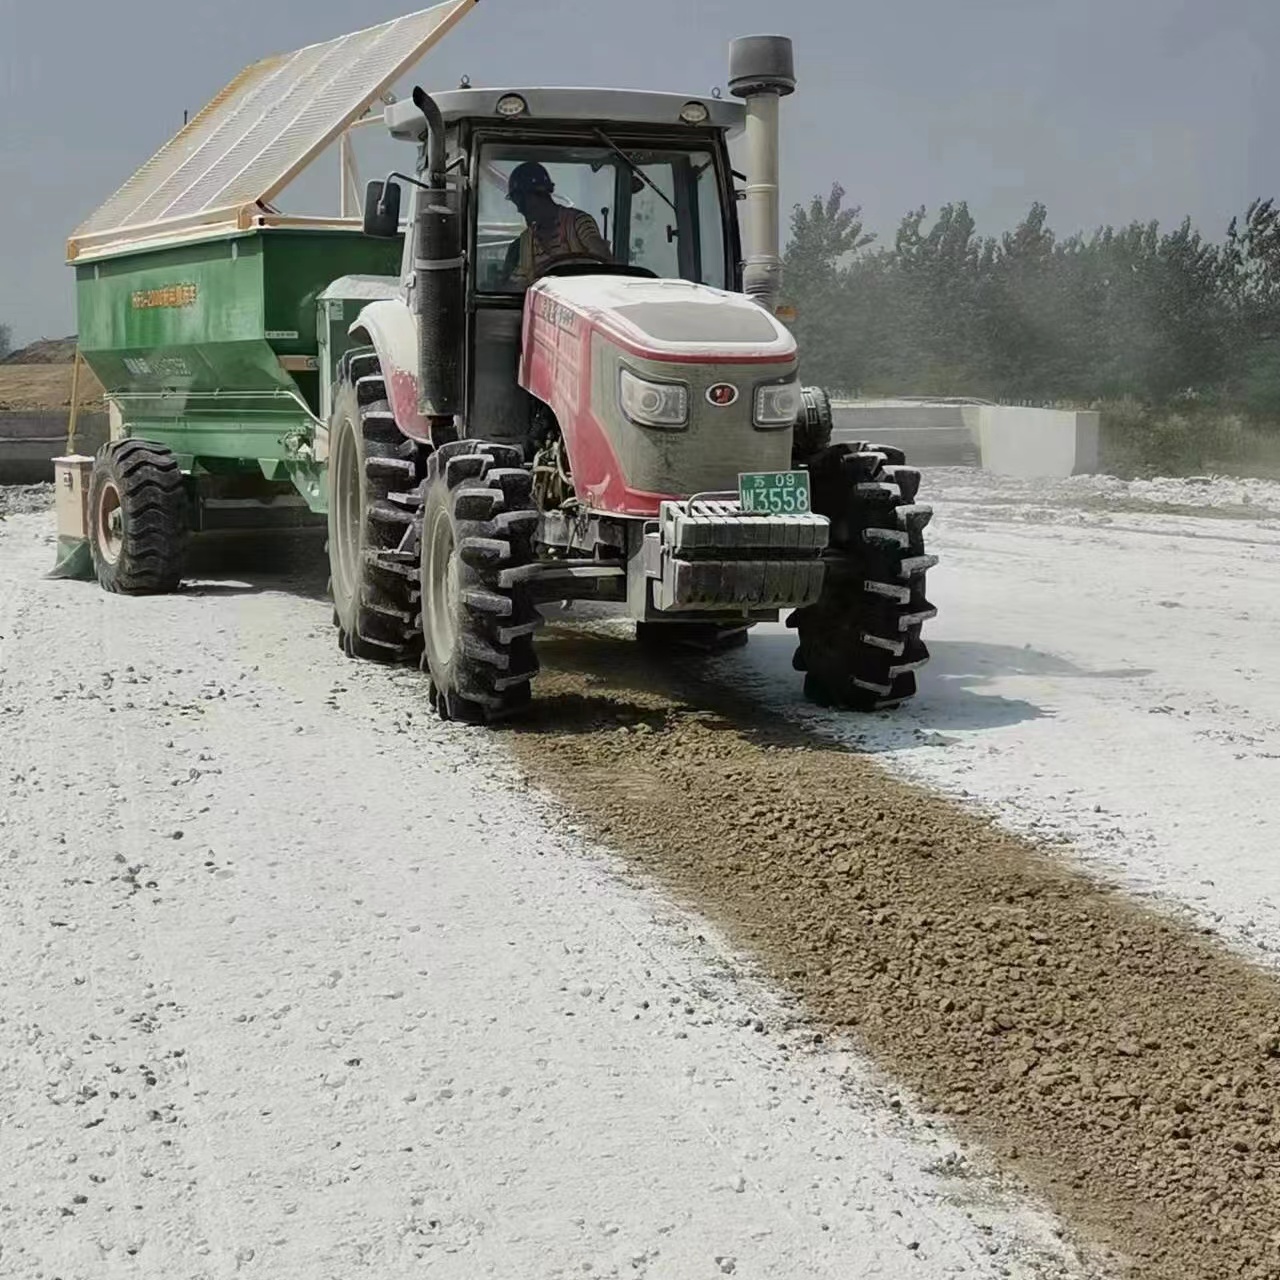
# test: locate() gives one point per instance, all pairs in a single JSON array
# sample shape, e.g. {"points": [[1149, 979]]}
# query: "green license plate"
{"points": [[774, 493]]}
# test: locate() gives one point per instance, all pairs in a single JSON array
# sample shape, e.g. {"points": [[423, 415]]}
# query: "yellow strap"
{"points": [[74, 418]]}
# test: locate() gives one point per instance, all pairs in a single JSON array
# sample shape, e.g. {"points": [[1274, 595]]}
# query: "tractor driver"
{"points": [[554, 232]]}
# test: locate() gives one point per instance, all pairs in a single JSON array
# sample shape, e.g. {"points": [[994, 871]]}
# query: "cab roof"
{"points": [[595, 106]]}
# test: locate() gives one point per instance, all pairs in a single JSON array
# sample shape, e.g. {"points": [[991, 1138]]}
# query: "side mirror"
{"points": [[382, 210]]}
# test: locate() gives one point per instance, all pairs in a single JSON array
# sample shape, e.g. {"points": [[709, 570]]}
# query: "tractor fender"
{"points": [[392, 330]]}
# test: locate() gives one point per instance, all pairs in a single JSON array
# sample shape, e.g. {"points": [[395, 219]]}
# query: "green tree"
{"points": [[825, 236], [1020, 308], [1135, 311], [933, 323], [1251, 267]]}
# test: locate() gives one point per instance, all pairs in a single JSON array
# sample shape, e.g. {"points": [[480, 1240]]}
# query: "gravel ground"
{"points": [[1205, 495], [23, 499], [1122, 1064], [297, 983]]}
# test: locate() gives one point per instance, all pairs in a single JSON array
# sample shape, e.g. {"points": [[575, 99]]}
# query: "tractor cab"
{"points": [[651, 169], [640, 183]]}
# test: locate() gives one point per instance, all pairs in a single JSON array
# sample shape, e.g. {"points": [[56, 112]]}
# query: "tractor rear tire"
{"points": [[699, 637], [860, 643], [139, 518], [478, 520], [374, 474]]}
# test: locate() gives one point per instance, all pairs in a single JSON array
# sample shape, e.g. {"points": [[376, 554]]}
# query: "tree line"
{"points": [[1161, 317]]}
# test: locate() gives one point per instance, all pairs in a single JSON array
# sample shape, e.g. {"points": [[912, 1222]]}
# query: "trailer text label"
{"points": [[172, 295]]}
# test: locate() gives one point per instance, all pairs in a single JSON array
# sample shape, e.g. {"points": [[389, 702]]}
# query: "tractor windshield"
{"points": [[659, 210]]}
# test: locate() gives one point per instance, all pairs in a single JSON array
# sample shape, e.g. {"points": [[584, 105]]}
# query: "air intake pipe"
{"points": [[438, 278], [762, 73]]}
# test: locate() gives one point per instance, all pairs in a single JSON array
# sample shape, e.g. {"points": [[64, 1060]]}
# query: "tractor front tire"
{"points": [[478, 522], [139, 518], [860, 644], [374, 473]]}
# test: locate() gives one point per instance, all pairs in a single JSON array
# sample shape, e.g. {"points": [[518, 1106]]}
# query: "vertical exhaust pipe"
{"points": [[438, 278], [762, 73]]}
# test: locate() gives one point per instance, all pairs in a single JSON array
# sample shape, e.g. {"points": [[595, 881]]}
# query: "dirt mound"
{"points": [[38, 378], [44, 351], [1126, 1066], [43, 387]]}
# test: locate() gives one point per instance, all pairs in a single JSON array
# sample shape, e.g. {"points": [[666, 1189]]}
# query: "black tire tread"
{"points": [[494, 522], [860, 644], [385, 629], [155, 518]]}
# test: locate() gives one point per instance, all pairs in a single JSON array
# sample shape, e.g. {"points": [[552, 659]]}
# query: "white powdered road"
{"points": [[1105, 672], [296, 983]]}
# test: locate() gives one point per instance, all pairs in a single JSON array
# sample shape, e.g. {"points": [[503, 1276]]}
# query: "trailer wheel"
{"points": [[860, 644], [478, 521], [139, 518], [374, 472]]}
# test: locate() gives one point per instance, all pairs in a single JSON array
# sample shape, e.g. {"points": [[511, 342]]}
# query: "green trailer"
{"points": [[215, 322], [214, 347]]}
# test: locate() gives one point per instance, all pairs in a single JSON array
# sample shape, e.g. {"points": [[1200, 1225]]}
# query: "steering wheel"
{"points": [[583, 264]]}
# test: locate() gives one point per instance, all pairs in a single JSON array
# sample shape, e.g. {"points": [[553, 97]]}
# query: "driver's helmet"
{"points": [[526, 179]]}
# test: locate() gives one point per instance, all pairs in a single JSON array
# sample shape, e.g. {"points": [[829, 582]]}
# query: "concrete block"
{"points": [[1031, 443], [30, 440], [71, 494]]}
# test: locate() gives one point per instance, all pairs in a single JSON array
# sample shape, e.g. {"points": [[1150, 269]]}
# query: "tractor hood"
{"points": [[720, 362], [664, 320]]}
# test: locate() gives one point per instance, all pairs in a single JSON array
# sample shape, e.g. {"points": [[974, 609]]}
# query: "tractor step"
{"points": [[547, 580]]}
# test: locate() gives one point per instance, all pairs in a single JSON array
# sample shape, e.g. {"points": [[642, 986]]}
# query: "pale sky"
{"points": [[1106, 110]]}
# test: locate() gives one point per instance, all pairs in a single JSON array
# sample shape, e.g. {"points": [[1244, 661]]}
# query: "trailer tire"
{"points": [[139, 518], [478, 521], [374, 474], [860, 644]]}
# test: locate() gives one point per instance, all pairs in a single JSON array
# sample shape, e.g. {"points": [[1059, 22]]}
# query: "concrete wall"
{"points": [[931, 435], [29, 442], [1003, 439]]}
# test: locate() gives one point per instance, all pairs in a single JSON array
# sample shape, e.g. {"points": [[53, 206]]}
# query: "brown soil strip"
{"points": [[1126, 1066]]}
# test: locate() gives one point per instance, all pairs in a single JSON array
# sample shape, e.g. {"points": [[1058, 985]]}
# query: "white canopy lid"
{"points": [[264, 129]]}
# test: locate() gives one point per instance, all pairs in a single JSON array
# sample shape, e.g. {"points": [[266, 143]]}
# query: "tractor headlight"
{"points": [[777, 404], [654, 404]]}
